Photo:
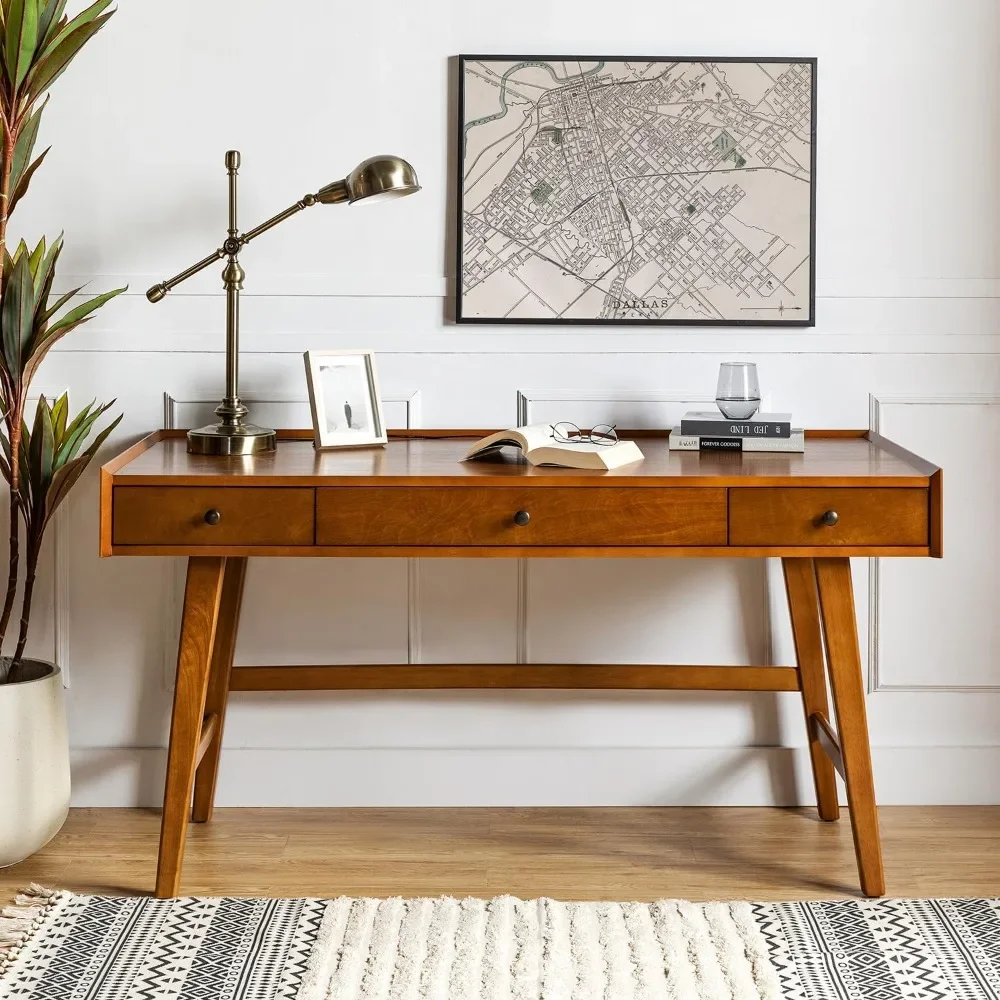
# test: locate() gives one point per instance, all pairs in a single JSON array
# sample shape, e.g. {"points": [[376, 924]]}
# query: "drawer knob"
{"points": [[212, 516], [830, 518], [522, 517]]}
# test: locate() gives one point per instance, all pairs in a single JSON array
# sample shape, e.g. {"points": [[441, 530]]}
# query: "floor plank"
{"points": [[610, 853]]}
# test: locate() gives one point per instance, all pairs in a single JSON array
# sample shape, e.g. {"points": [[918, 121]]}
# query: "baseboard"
{"points": [[759, 776]]}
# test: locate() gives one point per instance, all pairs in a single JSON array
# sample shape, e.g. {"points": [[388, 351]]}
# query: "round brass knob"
{"points": [[830, 518], [212, 516], [522, 517]]}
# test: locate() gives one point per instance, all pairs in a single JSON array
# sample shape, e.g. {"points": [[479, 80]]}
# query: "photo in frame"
{"points": [[636, 190], [345, 400]]}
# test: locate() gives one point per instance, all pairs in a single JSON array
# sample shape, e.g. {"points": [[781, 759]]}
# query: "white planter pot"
{"points": [[34, 761]]}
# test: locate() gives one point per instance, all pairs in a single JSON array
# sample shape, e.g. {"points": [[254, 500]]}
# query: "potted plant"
{"points": [[41, 459]]}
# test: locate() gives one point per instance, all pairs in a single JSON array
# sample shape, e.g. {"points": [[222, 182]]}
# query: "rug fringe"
{"points": [[20, 922]]}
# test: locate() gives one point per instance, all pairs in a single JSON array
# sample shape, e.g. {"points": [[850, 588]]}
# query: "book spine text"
{"points": [[706, 442], [735, 428]]}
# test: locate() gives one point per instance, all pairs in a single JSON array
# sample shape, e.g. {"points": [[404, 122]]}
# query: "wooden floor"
{"points": [[619, 854]]}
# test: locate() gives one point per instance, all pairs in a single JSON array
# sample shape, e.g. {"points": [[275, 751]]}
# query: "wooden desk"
{"points": [[850, 494]]}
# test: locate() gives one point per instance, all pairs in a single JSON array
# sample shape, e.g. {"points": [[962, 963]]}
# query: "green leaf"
{"points": [[48, 19], [24, 180], [22, 456], [60, 53], [25, 144], [60, 302], [72, 319], [41, 449], [83, 310], [20, 38], [17, 313], [82, 19], [62, 482], [79, 418], [43, 271], [78, 433], [34, 261], [66, 477], [60, 411], [44, 280]]}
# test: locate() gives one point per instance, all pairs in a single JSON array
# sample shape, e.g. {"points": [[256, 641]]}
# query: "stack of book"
{"points": [[711, 431]]}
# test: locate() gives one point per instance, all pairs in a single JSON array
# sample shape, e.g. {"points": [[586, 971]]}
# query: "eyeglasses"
{"points": [[568, 433]]}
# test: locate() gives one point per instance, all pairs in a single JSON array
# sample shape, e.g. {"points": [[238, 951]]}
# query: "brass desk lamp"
{"points": [[375, 177]]}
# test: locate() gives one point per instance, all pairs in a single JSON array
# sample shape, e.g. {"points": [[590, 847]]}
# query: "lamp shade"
{"points": [[376, 177]]}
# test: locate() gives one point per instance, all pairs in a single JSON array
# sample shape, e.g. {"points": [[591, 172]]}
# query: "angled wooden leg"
{"points": [[836, 598], [218, 686], [202, 596], [803, 605]]}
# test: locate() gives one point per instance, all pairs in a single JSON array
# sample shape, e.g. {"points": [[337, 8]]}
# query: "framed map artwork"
{"points": [[636, 191]]}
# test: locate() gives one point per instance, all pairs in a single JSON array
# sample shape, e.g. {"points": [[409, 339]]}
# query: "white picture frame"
{"points": [[344, 399]]}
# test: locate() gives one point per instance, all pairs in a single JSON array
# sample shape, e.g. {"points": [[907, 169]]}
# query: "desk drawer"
{"points": [[564, 516], [176, 515], [795, 516]]}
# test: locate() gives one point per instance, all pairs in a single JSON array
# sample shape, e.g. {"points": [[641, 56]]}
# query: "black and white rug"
{"points": [[59, 946]]}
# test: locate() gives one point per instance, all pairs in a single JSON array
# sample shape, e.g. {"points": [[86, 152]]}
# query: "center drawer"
{"points": [[565, 515], [209, 515]]}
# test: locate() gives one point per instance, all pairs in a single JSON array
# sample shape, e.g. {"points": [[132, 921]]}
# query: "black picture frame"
{"points": [[460, 318]]}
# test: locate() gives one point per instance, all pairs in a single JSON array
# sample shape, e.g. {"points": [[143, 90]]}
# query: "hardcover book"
{"points": [[711, 422], [679, 441]]}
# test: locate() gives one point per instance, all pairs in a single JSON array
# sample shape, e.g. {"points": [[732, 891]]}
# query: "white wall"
{"points": [[907, 341]]}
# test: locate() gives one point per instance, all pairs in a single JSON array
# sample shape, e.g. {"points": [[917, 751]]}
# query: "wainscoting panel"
{"points": [[936, 631], [639, 610]]}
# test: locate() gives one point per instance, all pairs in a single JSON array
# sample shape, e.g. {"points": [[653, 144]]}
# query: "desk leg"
{"points": [[803, 605], [836, 597], [218, 686], [202, 597]]}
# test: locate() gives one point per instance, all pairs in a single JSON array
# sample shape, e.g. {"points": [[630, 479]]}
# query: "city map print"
{"points": [[636, 191]]}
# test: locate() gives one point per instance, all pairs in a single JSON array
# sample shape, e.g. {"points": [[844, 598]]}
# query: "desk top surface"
{"points": [[847, 458]]}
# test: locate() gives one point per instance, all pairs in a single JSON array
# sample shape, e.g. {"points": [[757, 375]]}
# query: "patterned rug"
{"points": [[58, 946]]}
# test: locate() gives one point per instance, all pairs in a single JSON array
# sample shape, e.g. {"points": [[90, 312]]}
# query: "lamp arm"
{"points": [[305, 202], [230, 248], [157, 292]]}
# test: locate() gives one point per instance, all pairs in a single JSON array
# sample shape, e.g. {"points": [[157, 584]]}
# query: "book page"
{"points": [[536, 436], [524, 438]]}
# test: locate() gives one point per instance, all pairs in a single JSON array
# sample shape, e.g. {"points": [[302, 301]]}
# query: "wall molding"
{"points": [[526, 397], [377, 284], [411, 399], [414, 633], [875, 683], [535, 776], [521, 654]]}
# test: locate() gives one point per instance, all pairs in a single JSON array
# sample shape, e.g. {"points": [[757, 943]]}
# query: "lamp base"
{"points": [[220, 439]]}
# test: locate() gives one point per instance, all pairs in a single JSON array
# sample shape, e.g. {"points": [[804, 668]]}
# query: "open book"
{"points": [[539, 447]]}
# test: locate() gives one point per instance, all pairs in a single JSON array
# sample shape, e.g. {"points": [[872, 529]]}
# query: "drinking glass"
{"points": [[738, 392]]}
